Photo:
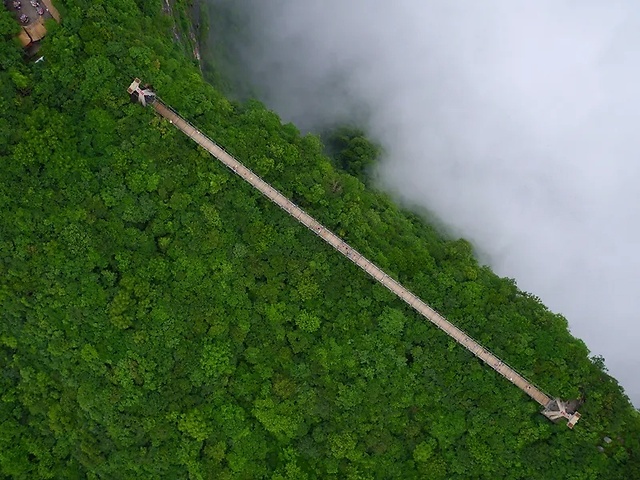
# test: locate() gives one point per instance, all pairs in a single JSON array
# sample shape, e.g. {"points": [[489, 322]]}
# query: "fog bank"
{"points": [[515, 123]]}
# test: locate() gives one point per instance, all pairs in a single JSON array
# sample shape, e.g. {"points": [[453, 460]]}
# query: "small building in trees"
{"points": [[32, 33], [31, 14]]}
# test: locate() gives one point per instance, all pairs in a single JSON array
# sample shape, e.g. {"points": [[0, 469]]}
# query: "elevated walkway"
{"points": [[554, 409]]}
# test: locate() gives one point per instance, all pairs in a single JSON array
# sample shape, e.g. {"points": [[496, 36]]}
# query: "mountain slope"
{"points": [[160, 319]]}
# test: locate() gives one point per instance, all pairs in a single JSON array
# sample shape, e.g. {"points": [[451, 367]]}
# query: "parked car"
{"points": [[17, 5], [34, 3], [24, 18], [40, 10]]}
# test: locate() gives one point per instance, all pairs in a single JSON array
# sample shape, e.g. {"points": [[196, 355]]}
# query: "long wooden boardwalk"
{"points": [[341, 246]]}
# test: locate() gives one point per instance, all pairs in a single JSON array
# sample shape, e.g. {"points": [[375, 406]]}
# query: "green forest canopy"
{"points": [[160, 319]]}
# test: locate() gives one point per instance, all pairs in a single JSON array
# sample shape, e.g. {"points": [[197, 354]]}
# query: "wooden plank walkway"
{"points": [[341, 246]]}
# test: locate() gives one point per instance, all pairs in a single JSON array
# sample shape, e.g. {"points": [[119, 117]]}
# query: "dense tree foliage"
{"points": [[351, 150], [160, 319]]}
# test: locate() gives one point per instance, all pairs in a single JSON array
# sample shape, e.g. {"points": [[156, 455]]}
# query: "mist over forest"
{"points": [[515, 126], [161, 318]]}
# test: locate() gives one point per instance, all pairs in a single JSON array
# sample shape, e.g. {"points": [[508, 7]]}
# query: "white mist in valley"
{"points": [[516, 123]]}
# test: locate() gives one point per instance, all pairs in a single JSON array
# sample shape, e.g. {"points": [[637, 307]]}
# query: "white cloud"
{"points": [[515, 122]]}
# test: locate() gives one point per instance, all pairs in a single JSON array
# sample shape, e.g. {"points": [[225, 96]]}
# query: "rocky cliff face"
{"points": [[187, 28]]}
